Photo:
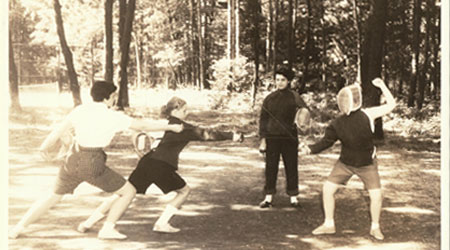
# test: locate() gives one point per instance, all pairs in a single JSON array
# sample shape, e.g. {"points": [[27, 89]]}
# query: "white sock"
{"points": [[374, 226], [96, 216], [108, 225], [168, 212], [329, 223], [268, 198], [294, 199]]}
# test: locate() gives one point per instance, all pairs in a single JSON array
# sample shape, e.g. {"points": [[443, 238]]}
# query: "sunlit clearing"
{"points": [[206, 168], [245, 207], [330, 156], [368, 245], [95, 243], [317, 243], [410, 210], [385, 156], [432, 171], [30, 157], [196, 210], [213, 157]]}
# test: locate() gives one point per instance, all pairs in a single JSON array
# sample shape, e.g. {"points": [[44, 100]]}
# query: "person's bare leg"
{"points": [[98, 214], [328, 227], [162, 224], [35, 212], [118, 207], [376, 200]]}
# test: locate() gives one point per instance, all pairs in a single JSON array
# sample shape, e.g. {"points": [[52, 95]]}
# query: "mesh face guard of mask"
{"points": [[349, 99]]}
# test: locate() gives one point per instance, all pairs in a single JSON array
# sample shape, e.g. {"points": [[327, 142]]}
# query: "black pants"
{"points": [[288, 149]]}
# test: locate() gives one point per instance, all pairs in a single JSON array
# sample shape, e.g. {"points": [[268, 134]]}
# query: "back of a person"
{"points": [[94, 124]]}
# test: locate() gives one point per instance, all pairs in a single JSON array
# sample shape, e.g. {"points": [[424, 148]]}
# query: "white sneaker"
{"points": [[167, 228], [110, 234], [82, 228]]}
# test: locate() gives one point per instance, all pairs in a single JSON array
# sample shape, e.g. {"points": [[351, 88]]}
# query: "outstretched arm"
{"points": [[145, 125], [378, 111]]}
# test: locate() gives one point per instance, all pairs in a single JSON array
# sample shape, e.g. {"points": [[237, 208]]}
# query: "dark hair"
{"points": [[101, 90], [174, 103], [286, 72]]}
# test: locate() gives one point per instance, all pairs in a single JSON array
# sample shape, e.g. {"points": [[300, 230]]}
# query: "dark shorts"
{"points": [[88, 166], [149, 171], [341, 173]]}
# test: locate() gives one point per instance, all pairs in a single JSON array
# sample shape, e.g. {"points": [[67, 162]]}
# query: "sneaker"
{"points": [[322, 229], [167, 228], [265, 204], [295, 204], [15, 232], [82, 228], [111, 234], [377, 234]]}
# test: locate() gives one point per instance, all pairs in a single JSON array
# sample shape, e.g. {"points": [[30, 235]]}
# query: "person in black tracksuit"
{"points": [[159, 166], [278, 135]]}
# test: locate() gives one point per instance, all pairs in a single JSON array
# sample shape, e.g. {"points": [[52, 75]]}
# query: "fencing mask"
{"points": [[349, 98]]}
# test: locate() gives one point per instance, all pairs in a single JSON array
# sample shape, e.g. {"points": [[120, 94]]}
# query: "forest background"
{"points": [[214, 48]]}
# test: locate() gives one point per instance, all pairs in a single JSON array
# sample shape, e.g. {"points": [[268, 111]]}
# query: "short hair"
{"points": [[102, 90], [173, 104], [286, 72]]}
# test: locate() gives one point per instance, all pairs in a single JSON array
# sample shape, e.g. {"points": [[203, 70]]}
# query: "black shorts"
{"points": [[149, 171]]}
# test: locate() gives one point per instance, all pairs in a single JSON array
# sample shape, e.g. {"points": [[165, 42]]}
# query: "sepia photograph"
{"points": [[225, 124]]}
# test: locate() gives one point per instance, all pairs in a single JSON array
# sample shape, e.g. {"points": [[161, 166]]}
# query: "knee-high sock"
{"points": [[168, 212]]}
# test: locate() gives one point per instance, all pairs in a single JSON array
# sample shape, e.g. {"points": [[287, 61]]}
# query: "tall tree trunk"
{"points": [[291, 46], [274, 39], [92, 61], [307, 48], [236, 20], [194, 46], [138, 60], [269, 41], [124, 57], [324, 44], [416, 53], [200, 45], [423, 77], [109, 52], [74, 87], [231, 30], [13, 81], [371, 60], [255, 7], [436, 44], [358, 42], [206, 47]]}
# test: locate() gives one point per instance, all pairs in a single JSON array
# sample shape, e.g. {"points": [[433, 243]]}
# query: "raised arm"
{"points": [[378, 111], [145, 125]]}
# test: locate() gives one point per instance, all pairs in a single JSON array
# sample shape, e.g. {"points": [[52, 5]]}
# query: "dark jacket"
{"points": [[356, 136], [278, 114], [168, 150]]}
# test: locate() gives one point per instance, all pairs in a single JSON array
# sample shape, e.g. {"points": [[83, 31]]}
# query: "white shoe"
{"points": [[82, 228], [111, 234], [377, 234], [15, 232], [322, 229], [167, 228]]}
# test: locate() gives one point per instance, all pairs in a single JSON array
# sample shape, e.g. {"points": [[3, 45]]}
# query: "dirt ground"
{"points": [[222, 211]]}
